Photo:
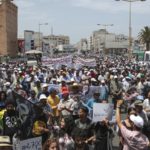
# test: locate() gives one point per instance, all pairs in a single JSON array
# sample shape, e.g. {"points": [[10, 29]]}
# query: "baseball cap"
{"points": [[115, 77], [7, 84], [44, 85], [137, 120], [42, 96], [103, 81]]}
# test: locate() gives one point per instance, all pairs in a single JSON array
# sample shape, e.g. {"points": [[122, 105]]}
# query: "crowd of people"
{"points": [[59, 105]]}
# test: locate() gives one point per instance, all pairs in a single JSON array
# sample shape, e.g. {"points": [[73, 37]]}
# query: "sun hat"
{"points": [[5, 141], [138, 103], [137, 120], [93, 80]]}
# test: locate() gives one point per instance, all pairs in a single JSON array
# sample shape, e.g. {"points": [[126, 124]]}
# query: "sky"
{"points": [[79, 18]]}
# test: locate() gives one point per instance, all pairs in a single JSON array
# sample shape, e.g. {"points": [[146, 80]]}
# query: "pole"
{"points": [[51, 30], [39, 36], [105, 40], [130, 31], [130, 25]]}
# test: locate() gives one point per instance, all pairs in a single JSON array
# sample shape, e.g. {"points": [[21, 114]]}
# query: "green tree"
{"points": [[144, 37]]}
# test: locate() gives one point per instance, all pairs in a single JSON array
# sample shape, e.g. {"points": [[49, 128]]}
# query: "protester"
{"points": [[116, 90], [132, 139], [103, 135], [65, 140], [104, 91], [40, 124], [51, 144], [66, 105], [128, 124], [10, 120], [3, 97], [55, 102]]}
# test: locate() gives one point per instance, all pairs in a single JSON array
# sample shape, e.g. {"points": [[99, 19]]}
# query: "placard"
{"points": [[101, 111], [29, 144]]}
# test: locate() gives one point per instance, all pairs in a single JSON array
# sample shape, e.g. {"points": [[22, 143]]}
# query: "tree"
{"points": [[144, 37]]}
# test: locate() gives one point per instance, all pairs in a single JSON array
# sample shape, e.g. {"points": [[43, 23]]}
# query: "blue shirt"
{"points": [[90, 103]]}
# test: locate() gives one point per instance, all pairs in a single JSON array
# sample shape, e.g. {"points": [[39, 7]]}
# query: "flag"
{"points": [[25, 111]]}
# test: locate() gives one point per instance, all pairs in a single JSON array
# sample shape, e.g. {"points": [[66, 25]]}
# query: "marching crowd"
{"points": [[59, 105]]}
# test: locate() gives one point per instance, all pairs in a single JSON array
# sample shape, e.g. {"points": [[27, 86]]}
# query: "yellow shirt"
{"points": [[53, 102]]}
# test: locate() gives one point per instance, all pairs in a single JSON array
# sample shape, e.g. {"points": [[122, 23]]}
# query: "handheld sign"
{"points": [[29, 144], [102, 111]]}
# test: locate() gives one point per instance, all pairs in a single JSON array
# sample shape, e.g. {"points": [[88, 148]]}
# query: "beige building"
{"points": [[55, 40], [109, 43], [8, 28]]}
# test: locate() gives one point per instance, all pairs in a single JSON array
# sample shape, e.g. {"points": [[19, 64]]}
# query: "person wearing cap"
{"points": [[94, 82], [54, 81], [126, 84], [66, 105], [44, 105], [64, 87], [77, 77], [146, 104], [128, 124], [134, 139], [44, 90], [138, 104], [104, 91], [115, 90], [5, 143], [8, 90], [32, 97]]}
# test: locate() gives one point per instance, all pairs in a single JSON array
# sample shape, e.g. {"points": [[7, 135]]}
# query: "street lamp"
{"points": [[105, 26], [41, 24], [130, 24]]}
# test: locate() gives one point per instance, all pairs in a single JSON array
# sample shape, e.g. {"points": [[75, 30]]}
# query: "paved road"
{"points": [[116, 138]]}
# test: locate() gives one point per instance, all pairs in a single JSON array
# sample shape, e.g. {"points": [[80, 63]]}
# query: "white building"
{"points": [[82, 45], [55, 40], [109, 42]]}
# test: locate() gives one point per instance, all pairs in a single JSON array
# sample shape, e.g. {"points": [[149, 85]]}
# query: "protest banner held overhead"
{"points": [[102, 111]]}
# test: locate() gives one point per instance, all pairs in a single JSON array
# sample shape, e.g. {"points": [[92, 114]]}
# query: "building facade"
{"points": [[109, 43], [82, 45], [8, 28], [55, 40]]}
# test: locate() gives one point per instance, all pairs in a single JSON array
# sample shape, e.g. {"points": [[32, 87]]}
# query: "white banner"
{"points": [[85, 62], [47, 61], [29, 144], [102, 111]]}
